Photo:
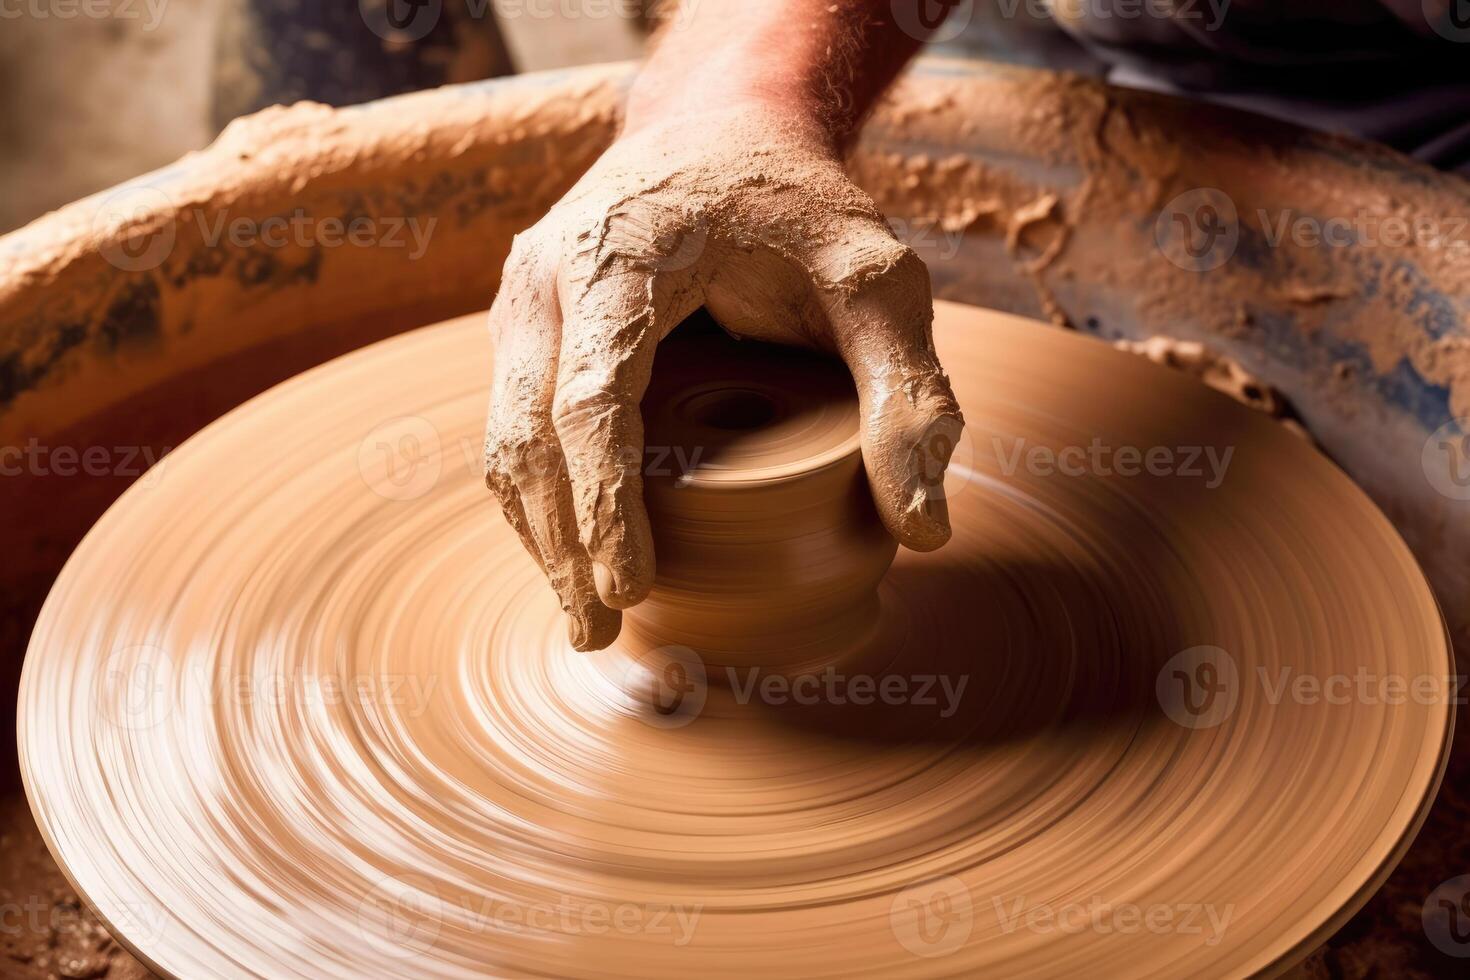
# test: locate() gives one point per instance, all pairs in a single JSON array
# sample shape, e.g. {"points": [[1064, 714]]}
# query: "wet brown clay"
{"points": [[321, 718]]}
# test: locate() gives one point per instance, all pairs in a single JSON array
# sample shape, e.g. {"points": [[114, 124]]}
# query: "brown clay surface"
{"points": [[321, 719]]}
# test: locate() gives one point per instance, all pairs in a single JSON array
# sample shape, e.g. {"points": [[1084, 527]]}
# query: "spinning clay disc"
{"points": [[1172, 701]]}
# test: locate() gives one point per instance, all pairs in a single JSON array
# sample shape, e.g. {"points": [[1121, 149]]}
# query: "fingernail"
{"points": [[606, 582], [578, 630], [593, 626], [929, 520], [936, 504], [611, 587]]}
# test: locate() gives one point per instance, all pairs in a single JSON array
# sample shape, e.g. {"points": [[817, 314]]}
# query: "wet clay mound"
{"points": [[1171, 702]]}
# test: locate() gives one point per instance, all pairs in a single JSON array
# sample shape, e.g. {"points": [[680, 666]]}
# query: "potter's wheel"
{"points": [[303, 707]]}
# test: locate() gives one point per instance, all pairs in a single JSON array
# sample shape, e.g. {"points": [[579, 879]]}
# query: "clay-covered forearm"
{"points": [[821, 60], [726, 192]]}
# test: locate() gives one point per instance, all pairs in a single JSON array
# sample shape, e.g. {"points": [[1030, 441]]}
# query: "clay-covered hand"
{"points": [[752, 217]]}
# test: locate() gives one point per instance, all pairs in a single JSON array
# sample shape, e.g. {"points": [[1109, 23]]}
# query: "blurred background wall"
{"points": [[93, 92]]}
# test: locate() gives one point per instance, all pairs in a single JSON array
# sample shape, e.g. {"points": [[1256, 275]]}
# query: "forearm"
{"points": [[823, 61]]}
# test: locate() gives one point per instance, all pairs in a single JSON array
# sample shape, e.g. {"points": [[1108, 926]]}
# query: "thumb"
{"points": [[881, 316]]}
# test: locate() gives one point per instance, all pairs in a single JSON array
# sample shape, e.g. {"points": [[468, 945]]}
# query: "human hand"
{"points": [[749, 214]]}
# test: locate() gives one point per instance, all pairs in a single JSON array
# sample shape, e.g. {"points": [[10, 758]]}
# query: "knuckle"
{"points": [[521, 297], [872, 262], [902, 269], [643, 233], [498, 479], [516, 460], [594, 423], [590, 406], [926, 389], [526, 259], [525, 247]]}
